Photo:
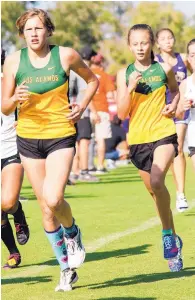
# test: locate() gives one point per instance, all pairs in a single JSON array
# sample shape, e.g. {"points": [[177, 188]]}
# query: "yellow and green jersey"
{"points": [[147, 124], [43, 116]]}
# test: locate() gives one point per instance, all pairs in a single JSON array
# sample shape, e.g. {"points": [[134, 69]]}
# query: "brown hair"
{"points": [[142, 27], [165, 29], [43, 16], [189, 44]]}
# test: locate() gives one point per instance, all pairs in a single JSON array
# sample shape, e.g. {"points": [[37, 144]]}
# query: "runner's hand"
{"points": [[169, 111], [21, 93], [187, 104], [133, 80], [95, 118], [76, 113], [15, 124]]}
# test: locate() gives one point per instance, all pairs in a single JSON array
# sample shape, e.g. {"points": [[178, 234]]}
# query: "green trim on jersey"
{"points": [[44, 79], [152, 78]]}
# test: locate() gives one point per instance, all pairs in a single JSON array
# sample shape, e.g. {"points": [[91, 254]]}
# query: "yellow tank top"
{"points": [[147, 124], [43, 116]]}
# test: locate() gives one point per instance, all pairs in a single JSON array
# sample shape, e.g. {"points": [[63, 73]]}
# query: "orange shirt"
{"points": [[105, 85]]}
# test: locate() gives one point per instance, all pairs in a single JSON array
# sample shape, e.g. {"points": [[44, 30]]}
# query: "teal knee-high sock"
{"points": [[56, 239]]}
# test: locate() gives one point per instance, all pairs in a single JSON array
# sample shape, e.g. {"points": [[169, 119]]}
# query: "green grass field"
{"points": [[122, 236]]}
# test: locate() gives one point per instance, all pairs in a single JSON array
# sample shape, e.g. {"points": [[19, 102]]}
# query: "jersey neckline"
{"points": [[176, 56], [142, 72], [50, 47]]}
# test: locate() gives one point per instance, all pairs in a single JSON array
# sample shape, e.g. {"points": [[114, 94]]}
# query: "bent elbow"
{"points": [[5, 111]]}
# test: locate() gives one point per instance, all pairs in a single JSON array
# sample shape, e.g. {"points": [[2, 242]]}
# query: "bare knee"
{"points": [[157, 184], [9, 203], [48, 214], [53, 200]]}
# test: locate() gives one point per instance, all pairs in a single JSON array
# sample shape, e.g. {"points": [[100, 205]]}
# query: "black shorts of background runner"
{"points": [[142, 154], [84, 129], [192, 151], [14, 159]]}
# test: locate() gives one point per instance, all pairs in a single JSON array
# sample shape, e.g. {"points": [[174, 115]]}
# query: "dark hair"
{"points": [[189, 44], [43, 16], [165, 29], [142, 27], [87, 52], [2, 56]]}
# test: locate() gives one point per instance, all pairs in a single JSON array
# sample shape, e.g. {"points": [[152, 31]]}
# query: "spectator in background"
{"points": [[77, 88], [187, 100], [104, 94], [165, 42], [116, 146], [112, 106]]}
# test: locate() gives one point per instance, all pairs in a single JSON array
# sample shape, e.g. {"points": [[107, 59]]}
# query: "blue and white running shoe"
{"points": [[170, 247], [176, 264]]}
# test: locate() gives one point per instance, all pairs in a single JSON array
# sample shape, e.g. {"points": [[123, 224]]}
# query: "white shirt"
{"points": [[77, 87], [8, 136], [190, 94]]}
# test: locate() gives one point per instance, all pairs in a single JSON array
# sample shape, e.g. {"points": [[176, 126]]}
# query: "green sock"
{"points": [[167, 231]]}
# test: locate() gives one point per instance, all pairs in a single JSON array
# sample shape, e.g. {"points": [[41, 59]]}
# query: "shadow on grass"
{"points": [[95, 256], [28, 280], [190, 214], [126, 298], [143, 278], [27, 193], [113, 179], [117, 176]]}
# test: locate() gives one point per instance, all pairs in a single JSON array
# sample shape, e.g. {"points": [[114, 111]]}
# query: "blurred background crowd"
{"points": [[97, 30]]}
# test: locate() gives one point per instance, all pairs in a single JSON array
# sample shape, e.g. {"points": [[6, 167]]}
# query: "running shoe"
{"points": [[176, 264], [75, 250], [110, 164], [88, 178], [73, 177], [70, 182], [67, 278], [169, 245], [181, 202], [22, 232], [101, 171], [92, 171], [23, 199], [13, 261]]}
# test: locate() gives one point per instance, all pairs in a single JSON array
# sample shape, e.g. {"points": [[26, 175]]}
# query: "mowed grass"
{"points": [[124, 266]]}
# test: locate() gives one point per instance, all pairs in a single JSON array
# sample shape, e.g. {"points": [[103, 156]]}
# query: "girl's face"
{"points": [[165, 41], [191, 56], [140, 44], [35, 33]]}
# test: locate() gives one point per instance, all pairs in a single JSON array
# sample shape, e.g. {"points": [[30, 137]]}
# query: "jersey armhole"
{"points": [[19, 64], [160, 66], [128, 67]]}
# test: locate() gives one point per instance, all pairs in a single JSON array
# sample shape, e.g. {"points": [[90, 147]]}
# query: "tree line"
{"points": [[102, 24]]}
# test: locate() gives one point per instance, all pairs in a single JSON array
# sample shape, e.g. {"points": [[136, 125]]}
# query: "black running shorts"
{"points": [[41, 148], [142, 154], [84, 129], [192, 151], [14, 159]]}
